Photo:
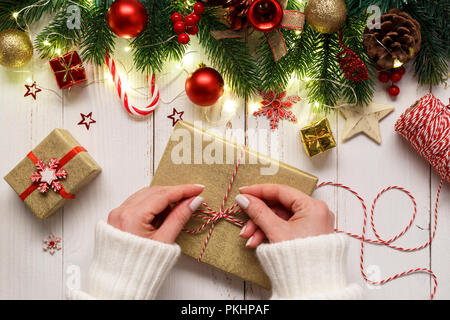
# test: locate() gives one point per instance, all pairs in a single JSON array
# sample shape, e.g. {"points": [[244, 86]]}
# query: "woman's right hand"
{"points": [[280, 213]]}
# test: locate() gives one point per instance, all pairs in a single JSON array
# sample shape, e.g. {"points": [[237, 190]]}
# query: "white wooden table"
{"points": [[129, 152]]}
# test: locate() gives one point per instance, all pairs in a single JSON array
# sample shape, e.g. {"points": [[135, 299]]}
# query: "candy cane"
{"points": [[132, 110]]}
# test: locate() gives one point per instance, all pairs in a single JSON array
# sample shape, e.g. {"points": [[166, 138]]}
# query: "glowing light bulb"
{"points": [[30, 81], [397, 63], [307, 79], [15, 15], [229, 106], [127, 49], [109, 77], [316, 104], [58, 52], [253, 106], [46, 43], [297, 32]]}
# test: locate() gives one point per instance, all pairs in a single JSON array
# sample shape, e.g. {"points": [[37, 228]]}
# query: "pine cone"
{"points": [[399, 38], [237, 13]]}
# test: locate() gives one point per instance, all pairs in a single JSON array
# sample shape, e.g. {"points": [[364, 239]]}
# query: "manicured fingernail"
{"points": [[196, 203], [243, 230], [242, 188], [249, 241], [200, 185], [242, 201]]}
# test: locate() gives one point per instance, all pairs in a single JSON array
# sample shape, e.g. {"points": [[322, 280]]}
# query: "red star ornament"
{"points": [[274, 107], [86, 119], [176, 116], [32, 90]]}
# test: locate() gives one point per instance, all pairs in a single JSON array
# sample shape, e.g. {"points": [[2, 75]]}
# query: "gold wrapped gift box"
{"points": [[317, 137], [186, 161], [81, 169]]}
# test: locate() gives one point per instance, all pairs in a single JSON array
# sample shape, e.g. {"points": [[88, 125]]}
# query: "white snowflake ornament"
{"points": [[48, 176]]}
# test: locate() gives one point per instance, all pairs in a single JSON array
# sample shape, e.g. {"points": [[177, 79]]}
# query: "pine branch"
{"points": [[56, 36], [97, 37], [33, 11], [230, 56], [431, 63], [157, 43]]}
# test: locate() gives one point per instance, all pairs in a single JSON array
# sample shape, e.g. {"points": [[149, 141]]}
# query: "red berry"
{"points": [[199, 8], [383, 76], [396, 76], [196, 17], [394, 90], [192, 30], [179, 27], [176, 17], [183, 38], [402, 70], [189, 21]]}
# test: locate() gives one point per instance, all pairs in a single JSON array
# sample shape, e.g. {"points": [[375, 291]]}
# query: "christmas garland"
{"points": [[311, 55]]}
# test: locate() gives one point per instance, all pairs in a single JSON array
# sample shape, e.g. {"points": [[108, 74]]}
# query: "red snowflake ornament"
{"points": [[48, 176], [52, 243], [274, 107]]}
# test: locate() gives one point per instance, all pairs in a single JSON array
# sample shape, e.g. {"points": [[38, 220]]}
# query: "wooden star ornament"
{"points": [[365, 120]]}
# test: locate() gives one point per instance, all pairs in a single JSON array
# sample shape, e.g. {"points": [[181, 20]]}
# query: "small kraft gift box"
{"points": [[193, 156], [52, 173]]}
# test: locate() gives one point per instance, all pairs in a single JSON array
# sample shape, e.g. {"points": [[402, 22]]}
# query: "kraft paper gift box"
{"points": [[181, 164], [78, 165]]}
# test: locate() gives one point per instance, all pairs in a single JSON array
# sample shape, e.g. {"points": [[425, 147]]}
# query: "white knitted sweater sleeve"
{"points": [[126, 266], [311, 268]]}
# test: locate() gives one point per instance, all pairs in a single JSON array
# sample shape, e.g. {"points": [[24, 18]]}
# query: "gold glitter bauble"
{"points": [[16, 48], [326, 16]]}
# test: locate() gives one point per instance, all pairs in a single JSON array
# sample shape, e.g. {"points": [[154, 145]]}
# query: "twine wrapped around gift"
{"points": [[211, 216], [68, 67], [292, 20]]}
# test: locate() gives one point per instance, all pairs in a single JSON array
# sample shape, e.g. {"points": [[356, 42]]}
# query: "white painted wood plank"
{"points": [[368, 168], [440, 253], [120, 144], [26, 272], [190, 279]]}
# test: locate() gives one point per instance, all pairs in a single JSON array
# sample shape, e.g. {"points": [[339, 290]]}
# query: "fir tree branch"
{"points": [[30, 11], [157, 44], [230, 56], [97, 37]]}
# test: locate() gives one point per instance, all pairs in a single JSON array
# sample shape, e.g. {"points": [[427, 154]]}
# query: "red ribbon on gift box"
{"points": [[64, 160]]}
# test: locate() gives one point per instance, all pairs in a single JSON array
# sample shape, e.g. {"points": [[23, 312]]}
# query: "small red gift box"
{"points": [[68, 70]]}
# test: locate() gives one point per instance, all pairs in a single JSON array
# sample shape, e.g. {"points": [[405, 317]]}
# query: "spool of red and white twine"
{"points": [[138, 112]]}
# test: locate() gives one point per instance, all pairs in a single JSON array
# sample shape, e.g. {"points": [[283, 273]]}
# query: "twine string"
{"points": [[211, 216], [388, 243]]}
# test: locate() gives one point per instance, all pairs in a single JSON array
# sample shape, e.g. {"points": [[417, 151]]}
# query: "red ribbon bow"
{"points": [[64, 160]]}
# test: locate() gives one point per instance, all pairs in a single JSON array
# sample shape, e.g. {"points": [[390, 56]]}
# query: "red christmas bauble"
{"points": [[127, 18], [204, 86], [265, 15], [396, 76], [394, 91], [183, 38], [179, 27], [384, 76]]}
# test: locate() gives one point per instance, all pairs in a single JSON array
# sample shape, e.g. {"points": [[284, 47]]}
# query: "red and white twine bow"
{"points": [[211, 216], [388, 243], [139, 112]]}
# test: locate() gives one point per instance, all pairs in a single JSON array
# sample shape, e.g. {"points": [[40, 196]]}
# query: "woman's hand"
{"points": [[281, 213], [142, 212]]}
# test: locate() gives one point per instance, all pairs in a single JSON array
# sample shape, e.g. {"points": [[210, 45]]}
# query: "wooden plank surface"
{"points": [[129, 152]]}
